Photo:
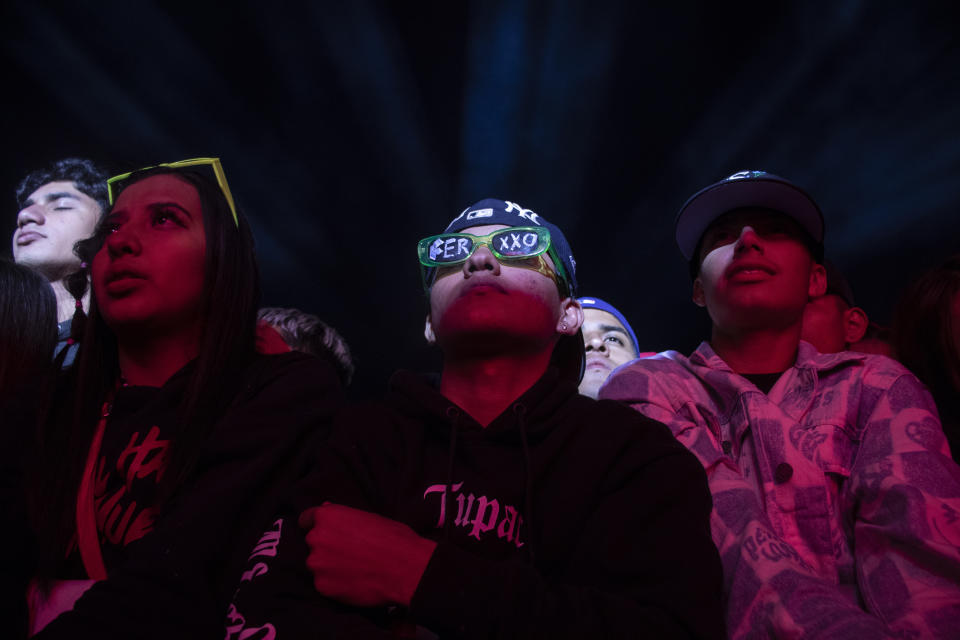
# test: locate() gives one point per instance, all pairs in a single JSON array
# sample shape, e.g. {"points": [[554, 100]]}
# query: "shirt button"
{"points": [[783, 473], [727, 446]]}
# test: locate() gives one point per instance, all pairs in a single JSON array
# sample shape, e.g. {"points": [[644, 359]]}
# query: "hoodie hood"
{"points": [[418, 397], [522, 426]]}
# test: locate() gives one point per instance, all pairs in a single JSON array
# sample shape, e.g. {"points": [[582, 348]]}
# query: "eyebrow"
{"points": [[160, 205], [153, 207], [59, 194], [50, 197], [606, 328]]}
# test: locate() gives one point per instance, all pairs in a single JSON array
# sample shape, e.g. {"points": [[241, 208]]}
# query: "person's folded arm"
{"points": [[644, 566]]}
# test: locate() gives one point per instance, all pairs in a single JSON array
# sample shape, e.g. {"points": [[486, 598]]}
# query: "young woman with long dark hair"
{"points": [[172, 434]]}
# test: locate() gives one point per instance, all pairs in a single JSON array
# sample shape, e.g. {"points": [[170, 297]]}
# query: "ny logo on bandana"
{"points": [[523, 213]]}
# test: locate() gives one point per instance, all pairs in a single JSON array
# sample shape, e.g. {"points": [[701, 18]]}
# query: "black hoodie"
{"points": [[565, 516]]}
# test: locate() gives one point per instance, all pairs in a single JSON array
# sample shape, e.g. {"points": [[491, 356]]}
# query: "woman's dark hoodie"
{"points": [[176, 580], [565, 517]]}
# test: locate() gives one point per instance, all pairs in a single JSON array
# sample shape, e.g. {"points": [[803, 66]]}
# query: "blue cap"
{"points": [[603, 305], [493, 211], [745, 189]]}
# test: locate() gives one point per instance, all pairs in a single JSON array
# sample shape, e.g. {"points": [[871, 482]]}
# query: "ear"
{"points": [[428, 331], [571, 317], [699, 298], [855, 323], [818, 281]]}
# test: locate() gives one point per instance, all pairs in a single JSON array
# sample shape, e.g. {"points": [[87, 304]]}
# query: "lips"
{"points": [[115, 274], [480, 287], [598, 363], [749, 270], [121, 279], [26, 237]]}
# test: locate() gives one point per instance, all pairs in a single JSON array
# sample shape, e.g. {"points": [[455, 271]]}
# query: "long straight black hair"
{"points": [[28, 336], [227, 338], [28, 328]]}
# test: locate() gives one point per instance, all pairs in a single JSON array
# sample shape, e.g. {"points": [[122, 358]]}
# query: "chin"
{"points": [[759, 314], [490, 322], [590, 388], [118, 315], [33, 259], [596, 376], [488, 341]]}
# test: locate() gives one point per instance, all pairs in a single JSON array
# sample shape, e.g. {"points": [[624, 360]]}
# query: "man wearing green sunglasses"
{"points": [[514, 246], [496, 501]]}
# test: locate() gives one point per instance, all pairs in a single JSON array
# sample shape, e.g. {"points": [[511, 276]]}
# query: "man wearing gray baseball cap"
{"points": [[835, 499]]}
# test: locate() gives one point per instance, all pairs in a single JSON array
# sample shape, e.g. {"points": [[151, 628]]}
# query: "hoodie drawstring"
{"points": [[454, 414], [520, 410]]}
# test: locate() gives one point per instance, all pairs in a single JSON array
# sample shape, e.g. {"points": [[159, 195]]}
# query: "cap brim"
{"points": [[710, 203]]}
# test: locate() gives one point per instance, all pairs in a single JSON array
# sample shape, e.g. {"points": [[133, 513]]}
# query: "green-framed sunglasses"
{"points": [[192, 162], [506, 245]]}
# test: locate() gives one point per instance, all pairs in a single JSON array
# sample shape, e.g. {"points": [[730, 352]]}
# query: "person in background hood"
{"points": [[301, 331], [498, 502], [608, 341], [833, 322]]}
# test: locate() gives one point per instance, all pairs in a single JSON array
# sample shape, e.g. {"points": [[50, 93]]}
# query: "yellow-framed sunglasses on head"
{"points": [[192, 162]]}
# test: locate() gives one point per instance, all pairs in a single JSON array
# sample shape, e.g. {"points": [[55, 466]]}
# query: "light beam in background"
{"points": [[496, 77], [57, 58], [333, 119], [535, 93], [569, 89], [851, 87], [382, 87]]}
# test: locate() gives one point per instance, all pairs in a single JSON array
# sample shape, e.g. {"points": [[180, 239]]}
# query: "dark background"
{"points": [[350, 130]]}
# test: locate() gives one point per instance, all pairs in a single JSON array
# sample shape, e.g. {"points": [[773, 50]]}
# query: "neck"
{"points": [[485, 387], [152, 363], [66, 303], [757, 351]]}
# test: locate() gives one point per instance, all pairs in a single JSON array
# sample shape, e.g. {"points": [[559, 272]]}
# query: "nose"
{"points": [[123, 241], [595, 343], [481, 260], [33, 213], [749, 239]]}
